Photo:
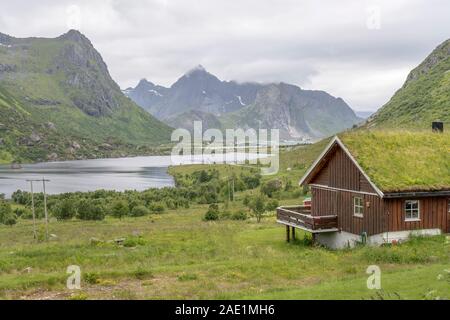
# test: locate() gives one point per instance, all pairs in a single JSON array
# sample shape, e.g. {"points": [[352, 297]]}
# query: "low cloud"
{"points": [[361, 51]]}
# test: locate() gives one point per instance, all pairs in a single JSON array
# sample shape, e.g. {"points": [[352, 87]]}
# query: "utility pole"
{"points": [[229, 190], [233, 188], [45, 207], [32, 210]]}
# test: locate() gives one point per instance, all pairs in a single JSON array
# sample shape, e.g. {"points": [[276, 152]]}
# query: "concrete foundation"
{"points": [[342, 239]]}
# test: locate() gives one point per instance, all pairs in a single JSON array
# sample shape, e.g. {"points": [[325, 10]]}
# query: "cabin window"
{"points": [[358, 207], [412, 211]]}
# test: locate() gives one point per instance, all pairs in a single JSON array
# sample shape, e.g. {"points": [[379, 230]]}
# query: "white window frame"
{"points": [[412, 210], [358, 213]]}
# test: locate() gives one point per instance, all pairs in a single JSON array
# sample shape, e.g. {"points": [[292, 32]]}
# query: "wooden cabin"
{"points": [[374, 188]]}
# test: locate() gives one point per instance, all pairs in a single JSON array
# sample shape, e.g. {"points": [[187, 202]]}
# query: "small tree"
{"points": [[272, 205], [64, 210], [139, 211], [272, 186], [246, 200], [5, 211], [10, 220], [89, 210], [120, 209], [212, 213], [157, 207], [258, 207]]}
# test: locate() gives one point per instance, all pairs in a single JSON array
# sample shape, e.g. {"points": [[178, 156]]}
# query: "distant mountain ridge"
{"points": [[197, 89], [423, 98], [58, 101], [199, 95]]}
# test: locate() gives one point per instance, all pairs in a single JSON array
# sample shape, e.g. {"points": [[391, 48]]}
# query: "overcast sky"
{"points": [[359, 50]]}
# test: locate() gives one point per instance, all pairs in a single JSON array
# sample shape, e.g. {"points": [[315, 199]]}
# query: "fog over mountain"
{"points": [[360, 50], [199, 95]]}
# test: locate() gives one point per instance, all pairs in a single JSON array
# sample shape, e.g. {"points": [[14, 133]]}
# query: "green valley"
{"points": [[58, 101]]}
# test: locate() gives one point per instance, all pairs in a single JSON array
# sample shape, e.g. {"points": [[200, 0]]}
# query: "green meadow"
{"points": [[177, 255]]}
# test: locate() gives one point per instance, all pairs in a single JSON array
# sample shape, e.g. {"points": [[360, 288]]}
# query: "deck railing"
{"points": [[300, 216]]}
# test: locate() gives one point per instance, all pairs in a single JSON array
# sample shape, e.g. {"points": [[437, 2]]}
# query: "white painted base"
{"points": [[338, 240], [400, 236], [342, 239]]}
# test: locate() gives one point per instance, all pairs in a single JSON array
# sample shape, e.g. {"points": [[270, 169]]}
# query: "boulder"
{"points": [[51, 126], [76, 145], [52, 156], [106, 146], [35, 137]]}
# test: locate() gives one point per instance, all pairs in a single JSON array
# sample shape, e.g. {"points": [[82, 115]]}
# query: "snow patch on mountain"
{"points": [[240, 101], [156, 93]]}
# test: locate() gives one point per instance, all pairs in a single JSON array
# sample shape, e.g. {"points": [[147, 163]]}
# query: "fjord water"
{"points": [[137, 173]]}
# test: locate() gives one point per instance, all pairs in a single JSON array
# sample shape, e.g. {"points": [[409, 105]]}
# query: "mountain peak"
{"points": [[440, 53], [424, 96], [199, 69], [144, 83], [74, 35]]}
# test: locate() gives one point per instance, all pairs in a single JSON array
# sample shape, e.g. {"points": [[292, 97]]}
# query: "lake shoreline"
{"points": [[120, 174]]}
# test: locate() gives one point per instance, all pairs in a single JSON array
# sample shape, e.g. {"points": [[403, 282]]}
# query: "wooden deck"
{"points": [[300, 217]]}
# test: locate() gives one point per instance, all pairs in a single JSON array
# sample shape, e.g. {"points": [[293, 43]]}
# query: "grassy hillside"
{"points": [[178, 256], [60, 102], [425, 96]]}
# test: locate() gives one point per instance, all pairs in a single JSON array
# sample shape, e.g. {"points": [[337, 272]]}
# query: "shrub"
{"points": [[225, 215], [139, 211], [89, 210], [64, 210], [26, 214], [251, 180], [288, 186], [212, 213], [5, 211], [10, 219], [239, 215], [202, 176], [23, 213], [171, 204], [133, 203], [272, 186], [272, 205], [91, 277], [120, 209], [258, 206], [131, 242], [157, 207], [21, 197]]}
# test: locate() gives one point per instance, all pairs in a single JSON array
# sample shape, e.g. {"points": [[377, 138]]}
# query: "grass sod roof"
{"points": [[398, 161]]}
